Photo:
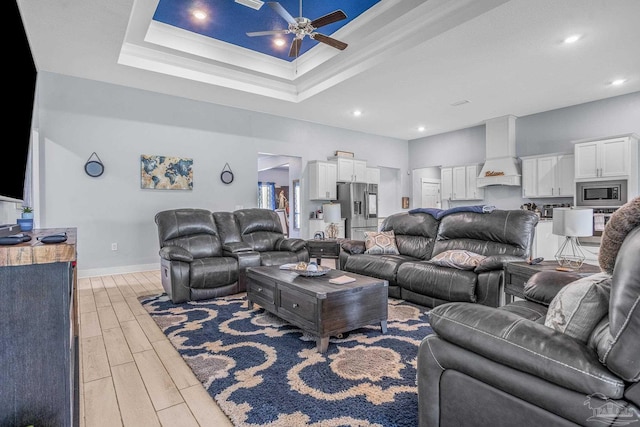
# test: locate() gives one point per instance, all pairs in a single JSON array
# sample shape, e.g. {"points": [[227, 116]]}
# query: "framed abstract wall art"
{"points": [[166, 173]]}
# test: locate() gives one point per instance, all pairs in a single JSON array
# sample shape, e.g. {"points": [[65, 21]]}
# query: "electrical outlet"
{"points": [[114, 246]]}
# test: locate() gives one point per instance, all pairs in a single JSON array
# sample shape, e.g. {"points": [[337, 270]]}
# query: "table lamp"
{"points": [[572, 223], [332, 216]]}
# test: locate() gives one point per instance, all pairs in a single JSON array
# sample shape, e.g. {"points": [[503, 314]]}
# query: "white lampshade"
{"points": [[573, 222], [332, 213]]}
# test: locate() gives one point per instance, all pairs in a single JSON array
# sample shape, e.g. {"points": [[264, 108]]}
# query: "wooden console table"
{"points": [[38, 337]]}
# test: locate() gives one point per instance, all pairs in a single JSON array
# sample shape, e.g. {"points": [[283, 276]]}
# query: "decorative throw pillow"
{"points": [[381, 242], [620, 224], [579, 306], [460, 259]]}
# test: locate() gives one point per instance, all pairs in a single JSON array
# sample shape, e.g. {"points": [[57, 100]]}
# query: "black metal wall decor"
{"points": [[94, 168], [226, 176]]}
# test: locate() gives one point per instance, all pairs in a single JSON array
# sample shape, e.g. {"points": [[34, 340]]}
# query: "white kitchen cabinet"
{"points": [[350, 170], [565, 175], [373, 175], [548, 176], [473, 191], [608, 158], [529, 177], [446, 185], [460, 183], [322, 180]]}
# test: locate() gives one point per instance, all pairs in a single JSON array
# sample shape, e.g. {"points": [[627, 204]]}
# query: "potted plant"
{"points": [[27, 212], [26, 222]]}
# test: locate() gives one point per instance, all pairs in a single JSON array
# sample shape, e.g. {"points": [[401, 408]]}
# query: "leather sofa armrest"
{"points": [[176, 253], [235, 247], [632, 393], [353, 247], [530, 347], [543, 286], [290, 244], [495, 262], [247, 259]]}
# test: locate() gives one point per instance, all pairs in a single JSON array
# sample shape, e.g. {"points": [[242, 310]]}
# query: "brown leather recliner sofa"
{"points": [[499, 235], [205, 254], [567, 355]]}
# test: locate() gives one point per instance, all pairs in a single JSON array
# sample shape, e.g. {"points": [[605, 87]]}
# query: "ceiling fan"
{"points": [[302, 27]]}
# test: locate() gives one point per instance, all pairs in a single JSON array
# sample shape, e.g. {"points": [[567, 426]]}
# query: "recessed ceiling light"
{"points": [[421, 128], [199, 14], [279, 42], [572, 39], [618, 82], [357, 113]]}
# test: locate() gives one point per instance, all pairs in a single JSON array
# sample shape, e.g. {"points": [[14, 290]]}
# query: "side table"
{"points": [[323, 248], [516, 274]]}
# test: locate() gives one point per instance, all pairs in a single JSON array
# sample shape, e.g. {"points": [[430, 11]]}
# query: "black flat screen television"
{"points": [[22, 76]]}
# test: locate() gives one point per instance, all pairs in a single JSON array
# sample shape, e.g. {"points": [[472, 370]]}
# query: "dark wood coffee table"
{"points": [[317, 306]]}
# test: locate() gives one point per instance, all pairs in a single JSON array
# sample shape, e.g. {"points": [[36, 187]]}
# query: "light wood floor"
{"points": [[130, 374]]}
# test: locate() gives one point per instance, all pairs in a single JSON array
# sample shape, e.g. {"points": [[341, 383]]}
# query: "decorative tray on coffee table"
{"points": [[321, 270], [309, 273]]}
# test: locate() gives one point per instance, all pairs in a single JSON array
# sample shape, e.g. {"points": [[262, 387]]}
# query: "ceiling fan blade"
{"points": [[295, 47], [267, 33], [328, 40], [330, 18], [277, 7]]}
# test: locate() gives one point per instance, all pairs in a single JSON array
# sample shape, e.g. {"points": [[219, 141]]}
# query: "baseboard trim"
{"points": [[94, 272]]}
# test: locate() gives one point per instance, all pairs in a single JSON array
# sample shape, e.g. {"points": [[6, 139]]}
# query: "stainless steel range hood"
{"points": [[501, 167]]}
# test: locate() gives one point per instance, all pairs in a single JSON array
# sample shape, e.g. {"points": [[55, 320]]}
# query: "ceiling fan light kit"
{"points": [[301, 27]]}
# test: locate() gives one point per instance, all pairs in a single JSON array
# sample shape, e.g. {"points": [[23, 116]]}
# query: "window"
{"points": [[296, 204], [267, 195]]}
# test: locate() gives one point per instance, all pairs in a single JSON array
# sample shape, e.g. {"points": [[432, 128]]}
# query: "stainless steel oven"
{"points": [[594, 194]]}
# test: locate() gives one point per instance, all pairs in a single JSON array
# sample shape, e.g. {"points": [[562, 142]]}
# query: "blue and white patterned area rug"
{"points": [[263, 371]]}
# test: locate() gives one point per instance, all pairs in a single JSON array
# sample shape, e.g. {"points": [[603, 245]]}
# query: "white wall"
{"points": [[77, 117], [279, 177], [553, 131], [389, 192]]}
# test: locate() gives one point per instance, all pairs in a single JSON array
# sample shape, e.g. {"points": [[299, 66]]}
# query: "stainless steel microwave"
{"points": [[601, 193]]}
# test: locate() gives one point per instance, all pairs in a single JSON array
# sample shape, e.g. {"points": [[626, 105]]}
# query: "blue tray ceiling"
{"points": [[229, 21]]}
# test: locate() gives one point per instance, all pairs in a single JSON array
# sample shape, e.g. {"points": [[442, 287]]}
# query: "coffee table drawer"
{"points": [[262, 293], [298, 306]]}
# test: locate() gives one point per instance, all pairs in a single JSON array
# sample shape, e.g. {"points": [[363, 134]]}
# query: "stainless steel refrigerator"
{"points": [[359, 205]]}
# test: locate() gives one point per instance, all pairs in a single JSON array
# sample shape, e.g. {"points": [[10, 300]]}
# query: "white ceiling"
{"points": [[407, 60]]}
